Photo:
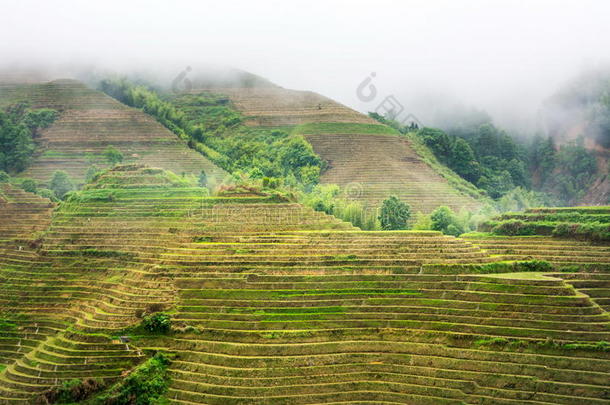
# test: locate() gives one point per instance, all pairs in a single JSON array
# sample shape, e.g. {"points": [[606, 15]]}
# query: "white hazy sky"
{"points": [[504, 56]]}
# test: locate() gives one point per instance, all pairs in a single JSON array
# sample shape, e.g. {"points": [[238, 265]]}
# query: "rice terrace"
{"points": [[207, 236]]}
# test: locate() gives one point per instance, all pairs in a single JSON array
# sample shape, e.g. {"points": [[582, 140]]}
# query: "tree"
{"points": [[496, 184], [438, 141], [295, 152], [444, 220], [61, 184], [17, 125], [4, 177], [113, 155], [394, 214], [463, 161], [203, 179], [29, 185]]}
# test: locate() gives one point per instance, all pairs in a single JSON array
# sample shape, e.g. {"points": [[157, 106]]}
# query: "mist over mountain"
{"points": [[505, 58]]}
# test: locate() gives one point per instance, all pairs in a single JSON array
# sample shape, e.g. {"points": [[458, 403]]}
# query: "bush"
{"points": [[595, 231], [92, 173], [422, 222], [144, 386], [29, 185], [159, 322], [446, 221], [61, 184], [113, 155], [514, 227], [46, 193], [4, 177], [394, 214]]}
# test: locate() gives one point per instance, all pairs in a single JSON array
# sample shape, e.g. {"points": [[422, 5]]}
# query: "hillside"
{"points": [[90, 122], [372, 161], [274, 303]]}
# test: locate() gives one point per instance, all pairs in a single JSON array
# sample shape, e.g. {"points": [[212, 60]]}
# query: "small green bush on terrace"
{"points": [[113, 155], [515, 227], [159, 322], [28, 185]]}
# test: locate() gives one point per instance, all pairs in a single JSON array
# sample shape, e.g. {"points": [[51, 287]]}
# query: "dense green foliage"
{"points": [[158, 322], [143, 386], [487, 157], [28, 185], [498, 163], [566, 171], [214, 128], [394, 214], [594, 231], [445, 220], [19, 126]]}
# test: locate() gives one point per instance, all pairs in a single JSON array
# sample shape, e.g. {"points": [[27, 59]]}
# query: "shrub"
{"points": [[158, 322], [445, 220], [422, 221], [514, 227], [143, 386], [46, 193], [4, 177], [61, 184], [394, 214], [29, 185], [113, 155], [92, 173], [595, 231]]}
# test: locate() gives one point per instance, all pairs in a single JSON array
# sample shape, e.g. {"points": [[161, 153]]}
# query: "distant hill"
{"points": [[581, 108], [89, 122], [362, 155]]}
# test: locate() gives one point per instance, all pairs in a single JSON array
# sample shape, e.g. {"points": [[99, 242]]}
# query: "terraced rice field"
{"points": [[371, 166], [274, 303], [376, 166], [90, 122], [41, 301], [276, 106], [591, 257]]}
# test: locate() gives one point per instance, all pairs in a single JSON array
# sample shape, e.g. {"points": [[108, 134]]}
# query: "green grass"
{"points": [[523, 276], [342, 128]]}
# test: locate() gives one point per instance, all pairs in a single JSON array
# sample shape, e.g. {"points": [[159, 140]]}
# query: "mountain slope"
{"points": [[372, 161], [89, 122]]}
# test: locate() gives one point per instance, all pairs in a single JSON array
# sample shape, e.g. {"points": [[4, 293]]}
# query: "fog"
{"points": [[504, 57]]}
